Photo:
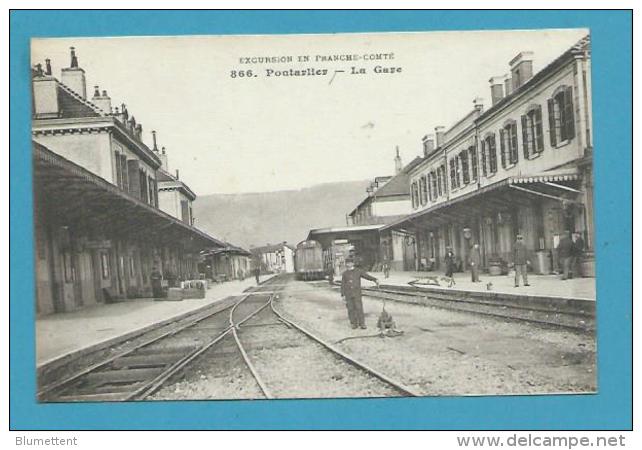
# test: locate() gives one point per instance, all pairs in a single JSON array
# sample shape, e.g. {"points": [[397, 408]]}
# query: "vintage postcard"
{"points": [[314, 216]]}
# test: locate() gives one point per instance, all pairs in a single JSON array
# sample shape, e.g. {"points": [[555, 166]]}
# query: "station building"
{"points": [[99, 231], [524, 165], [226, 263], [274, 258]]}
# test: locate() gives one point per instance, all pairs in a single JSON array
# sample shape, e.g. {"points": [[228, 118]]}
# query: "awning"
{"points": [[74, 196], [560, 185]]}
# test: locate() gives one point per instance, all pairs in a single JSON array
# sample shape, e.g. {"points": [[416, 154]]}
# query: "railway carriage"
{"points": [[309, 261]]}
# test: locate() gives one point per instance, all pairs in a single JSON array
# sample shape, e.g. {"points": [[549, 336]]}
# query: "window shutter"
{"points": [[452, 174], [569, 117], [492, 154], [551, 122], [539, 130], [513, 155], [525, 136], [483, 158], [502, 145], [464, 166], [134, 178], [428, 188], [473, 162]]}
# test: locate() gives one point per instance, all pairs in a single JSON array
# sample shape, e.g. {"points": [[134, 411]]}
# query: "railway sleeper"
{"points": [[146, 361], [121, 376]]}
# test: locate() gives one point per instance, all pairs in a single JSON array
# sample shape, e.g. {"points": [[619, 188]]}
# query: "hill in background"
{"points": [[270, 217]]}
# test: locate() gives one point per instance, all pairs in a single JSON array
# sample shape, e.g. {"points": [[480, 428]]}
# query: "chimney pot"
{"points": [[178, 178], [478, 103], [74, 58], [96, 92], [104, 93], [154, 141], [47, 66]]}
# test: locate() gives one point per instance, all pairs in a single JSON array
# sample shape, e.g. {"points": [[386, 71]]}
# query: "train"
{"points": [[314, 263], [309, 262]]}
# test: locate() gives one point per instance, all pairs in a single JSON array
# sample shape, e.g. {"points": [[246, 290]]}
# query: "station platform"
{"points": [[548, 286], [63, 335]]}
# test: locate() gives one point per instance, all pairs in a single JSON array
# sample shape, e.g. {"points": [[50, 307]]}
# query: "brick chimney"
{"points": [[428, 143], [496, 89], [163, 157], [45, 94], [74, 77], [101, 100], [440, 133], [521, 67], [508, 85]]}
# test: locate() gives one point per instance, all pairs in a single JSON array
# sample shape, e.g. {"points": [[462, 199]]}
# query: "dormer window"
{"points": [[561, 119]]}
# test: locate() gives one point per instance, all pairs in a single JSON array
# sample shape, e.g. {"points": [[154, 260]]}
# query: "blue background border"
{"points": [[610, 409]]}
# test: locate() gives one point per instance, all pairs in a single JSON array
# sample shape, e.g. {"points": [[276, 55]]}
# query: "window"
{"points": [[104, 265], [433, 185], [561, 119], [463, 158], [532, 132], [415, 194], [150, 186], [472, 151], [119, 174], [508, 144], [489, 155], [68, 266], [453, 174], [423, 190], [132, 267], [123, 171], [441, 180], [144, 193]]}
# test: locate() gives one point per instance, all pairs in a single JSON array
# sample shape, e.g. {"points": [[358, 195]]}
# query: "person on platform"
{"points": [[520, 259], [577, 251], [450, 262], [475, 262], [351, 293], [257, 273], [156, 278], [565, 252], [386, 269]]}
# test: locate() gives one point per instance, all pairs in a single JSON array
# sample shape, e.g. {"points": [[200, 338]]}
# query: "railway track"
{"points": [[281, 341], [582, 321], [138, 372]]}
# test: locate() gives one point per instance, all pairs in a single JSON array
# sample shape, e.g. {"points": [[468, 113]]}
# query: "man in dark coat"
{"points": [[351, 292], [156, 278], [565, 252], [520, 259], [577, 251], [475, 262]]}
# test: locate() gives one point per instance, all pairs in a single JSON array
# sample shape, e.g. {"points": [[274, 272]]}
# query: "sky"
{"points": [[266, 133]]}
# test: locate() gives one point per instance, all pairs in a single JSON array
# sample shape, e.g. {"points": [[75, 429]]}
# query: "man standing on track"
{"points": [[351, 292]]}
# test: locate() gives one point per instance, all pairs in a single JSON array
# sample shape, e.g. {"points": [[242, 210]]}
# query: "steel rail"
{"points": [[264, 389], [451, 305], [154, 384], [406, 390]]}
